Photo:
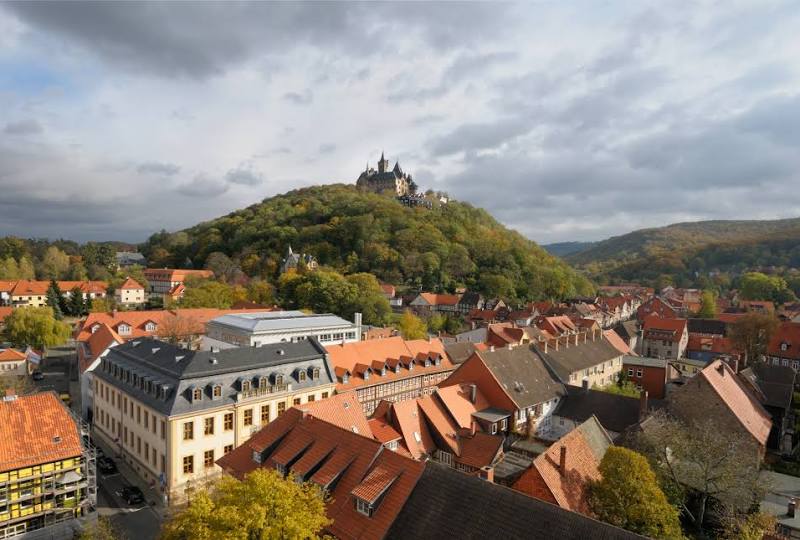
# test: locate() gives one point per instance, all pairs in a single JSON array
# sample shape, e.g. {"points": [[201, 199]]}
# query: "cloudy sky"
{"points": [[566, 120]]}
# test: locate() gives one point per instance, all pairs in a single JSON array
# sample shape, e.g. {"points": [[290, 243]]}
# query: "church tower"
{"points": [[383, 164]]}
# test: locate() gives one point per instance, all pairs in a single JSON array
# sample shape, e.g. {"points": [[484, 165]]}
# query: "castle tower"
{"points": [[383, 164]]}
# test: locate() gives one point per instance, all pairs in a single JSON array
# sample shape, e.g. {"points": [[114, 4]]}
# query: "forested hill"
{"points": [[686, 252], [562, 249], [351, 231]]}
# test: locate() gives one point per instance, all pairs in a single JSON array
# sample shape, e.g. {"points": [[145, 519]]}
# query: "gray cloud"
{"points": [[203, 186], [155, 167], [327, 148], [244, 177], [479, 136], [23, 127], [299, 99]]}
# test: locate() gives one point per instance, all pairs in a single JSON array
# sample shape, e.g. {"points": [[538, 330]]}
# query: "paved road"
{"points": [[137, 522]]}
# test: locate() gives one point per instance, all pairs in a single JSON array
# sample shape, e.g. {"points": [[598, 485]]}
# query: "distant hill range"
{"points": [[442, 246], [562, 249], [686, 252]]}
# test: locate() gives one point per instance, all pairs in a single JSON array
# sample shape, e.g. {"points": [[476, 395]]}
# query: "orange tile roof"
{"points": [[347, 356], [618, 343], [440, 420], [750, 413], [716, 344], [729, 318], [383, 431], [341, 410], [557, 325], [24, 287], [36, 429], [456, 399], [98, 342], [501, 334], [6, 285], [11, 355], [407, 417], [5, 311], [675, 327], [569, 488], [175, 274], [130, 284], [194, 319], [479, 449], [377, 481], [441, 299]]}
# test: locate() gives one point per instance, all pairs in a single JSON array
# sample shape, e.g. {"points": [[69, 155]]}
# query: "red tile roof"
{"points": [[407, 418], [441, 299], [383, 431], [24, 287], [567, 488], [742, 404], [618, 343], [672, 329], [173, 274], [501, 334], [785, 342], [5, 312], [361, 467], [457, 400], [98, 342], [557, 325], [36, 429], [715, 344]]}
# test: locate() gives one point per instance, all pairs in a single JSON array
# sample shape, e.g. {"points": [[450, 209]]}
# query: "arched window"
{"points": [[217, 391], [301, 376], [263, 382], [197, 394], [245, 386], [316, 373], [278, 379]]}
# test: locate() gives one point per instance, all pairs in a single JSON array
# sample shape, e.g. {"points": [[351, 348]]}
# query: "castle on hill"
{"points": [[385, 180]]}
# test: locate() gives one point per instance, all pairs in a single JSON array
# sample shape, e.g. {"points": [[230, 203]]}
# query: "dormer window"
{"points": [[784, 346], [366, 374], [256, 456], [263, 382], [437, 360], [397, 368], [245, 385], [217, 391], [363, 507], [95, 328], [150, 327], [411, 366], [301, 376], [281, 469], [315, 373], [427, 362], [124, 329], [345, 378], [278, 379], [197, 394]]}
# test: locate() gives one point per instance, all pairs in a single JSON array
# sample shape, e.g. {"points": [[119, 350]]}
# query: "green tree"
{"points": [[260, 292], [436, 323], [207, 294], [758, 286], [262, 506], [77, 304], [9, 268], [753, 526], [101, 305], [26, 269], [55, 263], [411, 326], [708, 305], [55, 299], [628, 496], [751, 334], [36, 327]]}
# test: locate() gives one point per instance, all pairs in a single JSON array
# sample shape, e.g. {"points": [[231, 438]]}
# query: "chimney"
{"points": [[473, 392], [487, 473], [357, 322], [721, 369], [11, 394], [545, 346], [576, 339], [642, 404], [473, 426], [791, 508], [491, 348], [562, 462], [585, 385], [585, 336], [556, 344]]}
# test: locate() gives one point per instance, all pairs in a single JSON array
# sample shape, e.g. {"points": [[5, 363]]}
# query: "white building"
{"points": [[261, 328], [130, 293]]}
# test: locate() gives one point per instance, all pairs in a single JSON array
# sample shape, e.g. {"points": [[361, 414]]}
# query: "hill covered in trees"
{"points": [[562, 249], [699, 253], [352, 231]]}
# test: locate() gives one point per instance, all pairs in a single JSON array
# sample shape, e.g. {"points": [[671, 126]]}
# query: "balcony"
{"points": [[265, 391]]}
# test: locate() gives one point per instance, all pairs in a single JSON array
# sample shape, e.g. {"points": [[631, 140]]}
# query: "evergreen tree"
{"points": [[55, 300], [77, 305]]}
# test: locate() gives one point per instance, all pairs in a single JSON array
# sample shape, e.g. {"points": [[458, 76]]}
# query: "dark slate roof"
{"points": [[707, 326], [523, 375], [460, 351], [511, 466], [574, 358], [615, 413], [446, 503], [627, 330], [775, 382], [181, 370], [470, 298]]}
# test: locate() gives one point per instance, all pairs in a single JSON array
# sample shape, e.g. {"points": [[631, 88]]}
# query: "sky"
{"points": [[566, 120]]}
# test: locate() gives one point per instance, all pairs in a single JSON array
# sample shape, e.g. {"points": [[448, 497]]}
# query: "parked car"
{"points": [[132, 495], [38, 375], [106, 465]]}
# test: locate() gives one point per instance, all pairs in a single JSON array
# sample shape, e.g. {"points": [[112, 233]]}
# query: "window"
{"points": [[188, 431], [146, 419], [324, 395], [163, 430], [494, 429], [227, 421], [248, 417], [245, 386], [281, 408], [155, 457], [188, 464], [264, 414], [301, 376], [262, 382], [138, 414], [296, 401], [310, 398], [208, 459], [138, 445], [638, 372], [315, 374], [208, 426], [630, 372], [278, 379], [228, 449], [217, 391], [504, 424], [363, 507], [146, 450], [197, 394]]}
